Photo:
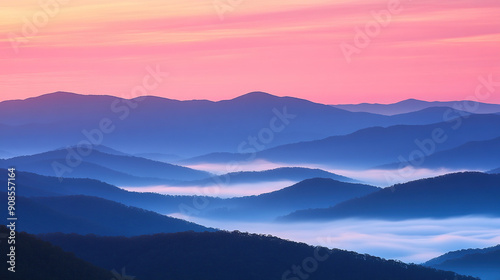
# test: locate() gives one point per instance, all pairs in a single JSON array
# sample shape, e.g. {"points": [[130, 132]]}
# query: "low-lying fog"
{"points": [[225, 191], [410, 241], [375, 177]]}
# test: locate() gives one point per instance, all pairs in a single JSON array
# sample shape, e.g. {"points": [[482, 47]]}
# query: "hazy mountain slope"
{"points": [[411, 105], [481, 263], [224, 255], [494, 171], [454, 255], [277, 174], [33, 185], [373, 146], [116, 169], [85, 214], [429, 115], [310, 193], [476, 155], [83, 171], [377, 146], [451, 195]]}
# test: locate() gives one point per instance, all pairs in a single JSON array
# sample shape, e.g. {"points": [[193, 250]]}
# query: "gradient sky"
{"points": [[431, 50]]}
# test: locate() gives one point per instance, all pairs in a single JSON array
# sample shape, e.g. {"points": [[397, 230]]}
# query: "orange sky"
{"points": [[431, 50]]}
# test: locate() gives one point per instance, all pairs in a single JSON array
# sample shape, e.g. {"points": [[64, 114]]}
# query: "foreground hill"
{"points": [[451, 195], [84, 215], [481, 263], [225, 255], [37, 259]]}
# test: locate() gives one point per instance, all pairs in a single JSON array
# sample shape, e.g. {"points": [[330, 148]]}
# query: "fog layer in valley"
{"points": [[410, 241]]}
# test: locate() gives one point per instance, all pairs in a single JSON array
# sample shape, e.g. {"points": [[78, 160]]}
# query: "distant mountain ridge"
{"points": [[412, 105], [183, 128], [474, 155], [375, 146]]}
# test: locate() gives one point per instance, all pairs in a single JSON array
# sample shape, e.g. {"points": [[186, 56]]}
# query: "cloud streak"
{"points": [[283, 47]]}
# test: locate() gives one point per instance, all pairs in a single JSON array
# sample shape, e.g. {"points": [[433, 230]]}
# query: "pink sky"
{"points": [[430, 50]]}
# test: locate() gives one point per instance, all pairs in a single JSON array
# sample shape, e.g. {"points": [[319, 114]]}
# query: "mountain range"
{"points": [[77, 156], [181, 128], [376, 146]]}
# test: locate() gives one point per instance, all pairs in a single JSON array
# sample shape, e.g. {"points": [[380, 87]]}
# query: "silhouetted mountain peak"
{"points": [[411, 101], [57, 95], [255, 96]]}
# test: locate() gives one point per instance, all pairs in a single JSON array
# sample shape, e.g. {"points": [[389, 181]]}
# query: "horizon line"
{"points": [[238, 96]]}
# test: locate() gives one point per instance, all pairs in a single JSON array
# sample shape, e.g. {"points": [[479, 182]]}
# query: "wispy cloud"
{"points": [[429, 51]]}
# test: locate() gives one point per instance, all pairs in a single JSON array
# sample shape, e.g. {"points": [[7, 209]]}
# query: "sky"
{"points": [[333, 52]]}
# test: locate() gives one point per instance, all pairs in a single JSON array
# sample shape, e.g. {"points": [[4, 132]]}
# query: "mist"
{"points": [[411, 241], [375, 177], [224, 191]]}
